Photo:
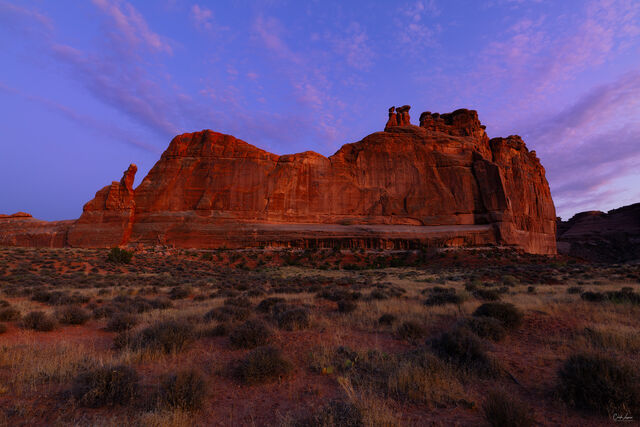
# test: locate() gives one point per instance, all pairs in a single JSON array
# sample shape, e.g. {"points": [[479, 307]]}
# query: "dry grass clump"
{"points": [[508, 314], [227, 313], [73, 315], [106, 386], [253, 333], [442, 296], [626, 340], [421, 377], [599, 383], [262, 365], [336, 413], [183, 390], [501, 410], [39, 321], [169, 336]]}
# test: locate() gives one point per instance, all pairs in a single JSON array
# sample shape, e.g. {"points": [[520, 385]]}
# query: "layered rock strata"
{"points": [[443, 183]]}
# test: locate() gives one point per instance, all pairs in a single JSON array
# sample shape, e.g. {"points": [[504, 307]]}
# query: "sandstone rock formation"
{"points": [[441, 183], [602, 237]]}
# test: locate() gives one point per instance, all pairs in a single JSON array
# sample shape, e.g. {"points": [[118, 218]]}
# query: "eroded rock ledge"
{"points": [[442, 183]]}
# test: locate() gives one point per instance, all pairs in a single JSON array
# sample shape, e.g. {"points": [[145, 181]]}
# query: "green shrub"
{"points": [[9, 314], [501, 410], [600, 384], [251, 334], [261, 365], [73, 315], [119, 256], [39, 321], [184, 390], [508, 314]]}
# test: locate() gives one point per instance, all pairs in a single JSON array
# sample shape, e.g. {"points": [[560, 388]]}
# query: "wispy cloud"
{"points": [[99, 126], [591, 143], [202, 17], [414, 32], [130, 27], [354, 46]]}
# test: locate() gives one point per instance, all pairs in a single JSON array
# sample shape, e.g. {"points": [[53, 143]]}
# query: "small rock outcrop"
{"points": [[443, 183]]}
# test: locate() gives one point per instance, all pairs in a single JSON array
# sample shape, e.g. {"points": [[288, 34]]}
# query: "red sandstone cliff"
{"points": [[442, 182]]}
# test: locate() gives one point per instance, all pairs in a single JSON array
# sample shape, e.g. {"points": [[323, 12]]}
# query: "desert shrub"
{"points": [[39, 321], [161, 303], [179, 292], [251, 334], [266, 304], [599, 383], [336, 413], [593, 296], [121, 322], [106, 386], [531, 289], [378, 294], [508, 314], [442, 298], [106, 310], [3, 328], [625, 295], [465, 350], [487, 294], [238, 302], [167, 336], [411, 331], [293, 319], [574, 290], [183, 390], [387, 319], [220, 330], [347, 306], [502, 410], [261, 365], [9, 314], [4, 303], [119, 256], [337, 294], [227, 312], [485, 327], [73, 315]]}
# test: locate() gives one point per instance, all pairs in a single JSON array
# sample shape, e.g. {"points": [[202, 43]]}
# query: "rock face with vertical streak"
{"points": [[441, 183]]}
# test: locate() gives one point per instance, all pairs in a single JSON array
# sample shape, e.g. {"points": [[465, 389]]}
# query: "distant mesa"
{"points": [[602, 237], [442, 183]]}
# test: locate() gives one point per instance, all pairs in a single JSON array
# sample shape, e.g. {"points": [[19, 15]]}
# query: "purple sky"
{"points": [[88, 87]]}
